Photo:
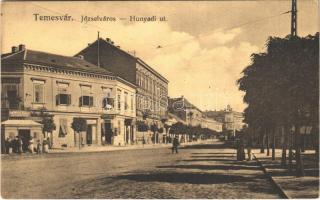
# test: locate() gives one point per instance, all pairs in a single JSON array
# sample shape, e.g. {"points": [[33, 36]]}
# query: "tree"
{"points": [[79, 125], [48, 126], [281, 88]]}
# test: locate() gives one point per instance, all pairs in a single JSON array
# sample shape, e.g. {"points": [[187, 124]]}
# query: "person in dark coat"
{"points": [[7, 145], [175, 144]]}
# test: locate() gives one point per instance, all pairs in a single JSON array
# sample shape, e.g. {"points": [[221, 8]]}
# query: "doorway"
{"points": [[25, 136], [89, 134], [108, 133]]}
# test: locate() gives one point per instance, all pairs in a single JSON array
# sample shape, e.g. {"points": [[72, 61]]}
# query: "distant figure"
{"points": [[20, 143], [31, 146], [39, 148], [15, 145], [7, 145], [175, 144]]}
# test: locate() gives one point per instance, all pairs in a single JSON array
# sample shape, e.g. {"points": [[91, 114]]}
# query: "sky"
{"points": [[205, 45]]}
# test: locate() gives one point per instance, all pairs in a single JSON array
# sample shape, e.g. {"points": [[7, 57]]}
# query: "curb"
{"points": [[279, 189]]}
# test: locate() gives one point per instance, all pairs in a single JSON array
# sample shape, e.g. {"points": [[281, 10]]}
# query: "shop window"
{"points": [[63, 129]]}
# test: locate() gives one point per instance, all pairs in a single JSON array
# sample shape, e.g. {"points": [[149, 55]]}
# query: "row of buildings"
{"points": [[112, 89]]}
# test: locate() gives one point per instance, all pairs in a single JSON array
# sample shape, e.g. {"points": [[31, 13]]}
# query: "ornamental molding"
{"points": [[48, 69]]}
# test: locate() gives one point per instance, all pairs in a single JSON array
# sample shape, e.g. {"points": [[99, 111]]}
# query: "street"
{"points": [[199, 171]]}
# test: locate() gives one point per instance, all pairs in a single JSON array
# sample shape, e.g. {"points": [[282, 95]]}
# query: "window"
{"points": [[38, 89], [131, 103], [10, 93], [126, 106], [86, 98], [119, 99], [108, 100], [86, 101], [108, 103], [63, 99]]}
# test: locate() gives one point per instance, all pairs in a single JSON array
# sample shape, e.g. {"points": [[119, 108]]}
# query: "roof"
{"points": [[53, 60], [124, 53], [17, 122], [186, 103]]}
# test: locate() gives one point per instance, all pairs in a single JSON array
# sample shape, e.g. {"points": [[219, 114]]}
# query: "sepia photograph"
{"points": [[160, 99]]}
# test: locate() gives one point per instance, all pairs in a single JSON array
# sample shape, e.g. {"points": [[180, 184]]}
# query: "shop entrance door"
{"points": [[108, 133], [25, 136], [89, 134]]}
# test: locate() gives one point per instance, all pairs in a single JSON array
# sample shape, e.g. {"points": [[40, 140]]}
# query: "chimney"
{"points": [[89, 44], [22, 47], [14, 49], [118, 47], [108, 40]]}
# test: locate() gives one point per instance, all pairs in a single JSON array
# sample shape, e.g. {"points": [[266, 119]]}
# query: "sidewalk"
{"points": [[288, 183], [117, 148]]}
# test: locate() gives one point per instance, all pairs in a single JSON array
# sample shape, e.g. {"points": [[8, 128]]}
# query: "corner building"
{"points": [[36, 83]]}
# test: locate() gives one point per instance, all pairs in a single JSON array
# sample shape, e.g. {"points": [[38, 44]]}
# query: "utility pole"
{"points": [[294, 18], [98, 50]]}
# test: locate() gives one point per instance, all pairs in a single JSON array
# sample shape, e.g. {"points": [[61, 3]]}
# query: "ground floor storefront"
{"points": [[115, 130]]}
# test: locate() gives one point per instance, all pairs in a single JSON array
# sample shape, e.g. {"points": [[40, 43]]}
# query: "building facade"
{"points": [[152, 87], [192, 115], [232, 120], [37, 84]]}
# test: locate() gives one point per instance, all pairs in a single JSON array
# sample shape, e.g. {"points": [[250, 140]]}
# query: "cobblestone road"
{"points": [[201, 171]]}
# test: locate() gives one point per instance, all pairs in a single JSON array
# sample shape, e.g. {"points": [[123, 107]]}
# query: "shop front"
{"points": [[23, 129]]}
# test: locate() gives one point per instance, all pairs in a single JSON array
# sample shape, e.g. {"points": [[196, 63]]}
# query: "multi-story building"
{"points": [[37, 84], [152, 87], [192, 115], [211, 124], [232, 120]]}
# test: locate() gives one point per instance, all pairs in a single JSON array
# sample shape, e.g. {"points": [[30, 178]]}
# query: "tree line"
{"points": [[281, 89]]}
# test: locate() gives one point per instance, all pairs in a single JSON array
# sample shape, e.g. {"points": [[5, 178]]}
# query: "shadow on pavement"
{"points": [[209, 146], [191, 178], [211, 159], [215, 153], [308, 172], [214, 156], [212, 167]]}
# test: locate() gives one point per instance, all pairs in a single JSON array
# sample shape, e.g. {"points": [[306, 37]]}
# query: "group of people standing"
{"points": [[20, 145]]}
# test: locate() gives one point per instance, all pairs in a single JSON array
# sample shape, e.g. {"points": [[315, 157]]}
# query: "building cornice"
{"points": [[44, 68]]}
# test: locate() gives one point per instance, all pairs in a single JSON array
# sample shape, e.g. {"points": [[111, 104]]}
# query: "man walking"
{"points": [[175, 144]]}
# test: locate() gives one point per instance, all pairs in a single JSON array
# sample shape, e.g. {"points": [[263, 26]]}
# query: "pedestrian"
{"points": [[7, 145], [175, 144], [31, 145], [49, 142], [20, 143], [15, 145], [39, 147]]}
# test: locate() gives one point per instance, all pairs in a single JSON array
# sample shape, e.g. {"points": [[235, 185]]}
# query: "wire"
{"points": [[228, 28]]}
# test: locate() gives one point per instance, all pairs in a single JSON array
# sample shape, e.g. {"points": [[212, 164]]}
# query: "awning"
{"points": [[20, 123]]}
